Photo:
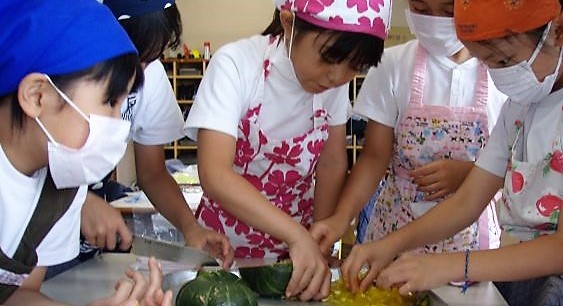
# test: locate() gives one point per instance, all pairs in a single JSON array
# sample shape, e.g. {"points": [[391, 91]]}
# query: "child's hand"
{"points": [[440, 178], [328, 231], [311, 276], [216, 244], [415, 273], [374, 256], [133, 290]]}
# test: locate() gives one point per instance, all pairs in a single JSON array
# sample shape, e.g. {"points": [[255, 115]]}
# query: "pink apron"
{"points": [[533, 191], [424, 134], [281, 169]]}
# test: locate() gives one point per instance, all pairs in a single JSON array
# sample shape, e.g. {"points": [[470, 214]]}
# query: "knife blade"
{"points": [[253, 262], [189, 256]]}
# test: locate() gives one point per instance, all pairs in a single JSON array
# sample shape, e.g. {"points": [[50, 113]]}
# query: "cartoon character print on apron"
{"points": [[281, 169], [427, 133], [533, 191]]}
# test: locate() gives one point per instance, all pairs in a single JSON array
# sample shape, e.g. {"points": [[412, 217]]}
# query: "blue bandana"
{"points": [[56, 37], [123, 9]]}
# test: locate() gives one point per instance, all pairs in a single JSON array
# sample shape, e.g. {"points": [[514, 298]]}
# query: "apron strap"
{"points": [[419, 75], [51, 206], [482, 86]]}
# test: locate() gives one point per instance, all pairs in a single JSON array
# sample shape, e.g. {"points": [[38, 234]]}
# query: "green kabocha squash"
{"points": [[268, 281], [216, 288]]}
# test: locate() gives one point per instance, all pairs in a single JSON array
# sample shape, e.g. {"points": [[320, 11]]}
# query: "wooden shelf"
{"points": [[355, 86], [178, 82], [190, 147], [184, 85], [189, 77]]}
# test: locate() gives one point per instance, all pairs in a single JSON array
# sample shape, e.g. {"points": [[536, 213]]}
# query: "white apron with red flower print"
{"points": [[533, 191], [427, 133], [281, 169]]}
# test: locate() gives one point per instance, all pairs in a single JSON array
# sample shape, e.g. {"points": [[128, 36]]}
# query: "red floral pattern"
{"points": [[313, 6], [371, 17], [362, 5], [282, 170], [266, 68], [285, 154]]}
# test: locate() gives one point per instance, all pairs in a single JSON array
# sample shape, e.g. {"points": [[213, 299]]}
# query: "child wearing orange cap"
{"points": [[430, 106], [269, 116], [522, 46]]}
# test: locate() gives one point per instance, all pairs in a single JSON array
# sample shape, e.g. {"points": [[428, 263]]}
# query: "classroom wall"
{"points": [[223, 21]]}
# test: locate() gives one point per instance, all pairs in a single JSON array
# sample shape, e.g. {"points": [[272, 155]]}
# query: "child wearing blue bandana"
{"points": [[156, 119], [64, 71]]}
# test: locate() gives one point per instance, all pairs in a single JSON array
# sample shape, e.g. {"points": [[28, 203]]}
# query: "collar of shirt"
{"points": [[281, 63]]}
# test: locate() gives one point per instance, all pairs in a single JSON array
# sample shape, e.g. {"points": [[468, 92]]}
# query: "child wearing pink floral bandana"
{"points": [[269, 115]]}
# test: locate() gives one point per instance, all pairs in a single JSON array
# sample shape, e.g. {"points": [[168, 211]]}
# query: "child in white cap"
{"points": [[269, 115]]}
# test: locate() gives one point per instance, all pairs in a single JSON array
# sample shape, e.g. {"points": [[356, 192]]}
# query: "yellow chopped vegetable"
{"points": [[340, 295]]}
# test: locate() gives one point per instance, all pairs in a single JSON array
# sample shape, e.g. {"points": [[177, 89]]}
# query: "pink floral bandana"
{"points": [[371, 17]]}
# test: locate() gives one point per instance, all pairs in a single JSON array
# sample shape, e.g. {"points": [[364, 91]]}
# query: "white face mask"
{"points": [[519, 81], [102, 151], [435, 34]]}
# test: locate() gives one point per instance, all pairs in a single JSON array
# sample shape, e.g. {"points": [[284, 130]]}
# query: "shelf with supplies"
{"points": [[355, 126], [185, 76]]}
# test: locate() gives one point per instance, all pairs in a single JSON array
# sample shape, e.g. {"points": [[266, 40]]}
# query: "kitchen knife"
{"points": [[189, 256], [253, 262]]}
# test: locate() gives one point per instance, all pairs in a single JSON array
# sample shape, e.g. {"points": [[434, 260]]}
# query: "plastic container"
{"points": [[206, 50]]}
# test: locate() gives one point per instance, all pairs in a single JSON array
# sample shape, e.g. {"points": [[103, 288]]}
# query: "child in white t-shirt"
{"points": [[156, 119], [271, 111], [520, 42], [430, 107]]}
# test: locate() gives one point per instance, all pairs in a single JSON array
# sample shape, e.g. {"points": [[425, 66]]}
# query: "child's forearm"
{"points": [[526, 260], [329, 180], [360, 186], [29, 297], [241, 199], [460, 210], [368, 171]]}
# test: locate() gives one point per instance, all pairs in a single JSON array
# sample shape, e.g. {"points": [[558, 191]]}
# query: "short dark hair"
{"points": [[154, 32], [361, 49], [118, 72]]}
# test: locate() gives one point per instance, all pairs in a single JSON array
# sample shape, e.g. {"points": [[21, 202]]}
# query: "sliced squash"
{"points": [[268, 281], [216, 288], [340, 295]]}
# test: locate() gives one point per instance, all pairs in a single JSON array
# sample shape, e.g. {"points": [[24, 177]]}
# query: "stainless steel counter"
{"points": [[96, 278]]}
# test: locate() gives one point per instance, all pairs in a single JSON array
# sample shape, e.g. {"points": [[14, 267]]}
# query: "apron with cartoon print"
{"points": [[281, 169], [533, 191], [428, 133]]}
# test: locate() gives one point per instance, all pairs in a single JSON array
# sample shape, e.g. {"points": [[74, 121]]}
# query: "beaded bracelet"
{"points": [[465, 279]]}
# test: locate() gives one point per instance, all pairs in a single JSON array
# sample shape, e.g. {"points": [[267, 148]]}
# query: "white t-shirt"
{"points": [[154, 113], [539, 141], [19, 194], [385, 92], [230, 84]]}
